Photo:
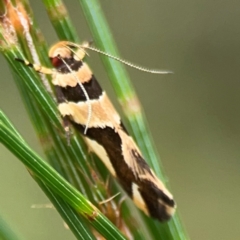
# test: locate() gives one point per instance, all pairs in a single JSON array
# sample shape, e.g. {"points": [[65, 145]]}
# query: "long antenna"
{"points": [[143, 69]]}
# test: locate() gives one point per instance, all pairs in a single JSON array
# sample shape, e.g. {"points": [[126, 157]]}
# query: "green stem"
{"points": [[42, 170]]}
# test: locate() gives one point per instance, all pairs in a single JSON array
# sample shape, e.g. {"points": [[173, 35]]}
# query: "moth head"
{"points": [[67, 51]]}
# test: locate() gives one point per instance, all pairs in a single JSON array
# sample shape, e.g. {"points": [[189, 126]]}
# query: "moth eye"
{"points": [[56, 61]]}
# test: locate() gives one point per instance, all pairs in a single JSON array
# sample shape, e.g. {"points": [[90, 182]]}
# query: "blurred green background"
{"points": [[194, 114]]}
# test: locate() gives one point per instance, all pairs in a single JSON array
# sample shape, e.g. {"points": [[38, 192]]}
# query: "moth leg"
{"points": [[36, 67]]}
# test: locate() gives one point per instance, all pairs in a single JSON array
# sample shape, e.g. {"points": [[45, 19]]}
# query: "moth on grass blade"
{"points": [[83, 104]]}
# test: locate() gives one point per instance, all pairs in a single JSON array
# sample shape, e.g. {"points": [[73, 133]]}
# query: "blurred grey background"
{"points": [[194, 114]]}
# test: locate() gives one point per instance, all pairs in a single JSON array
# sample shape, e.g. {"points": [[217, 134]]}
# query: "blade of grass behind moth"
{"points": [[47, 174], [60, 19], [6, 232], [127, 97]]}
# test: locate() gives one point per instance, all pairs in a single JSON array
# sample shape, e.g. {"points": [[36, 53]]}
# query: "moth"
{"points": [[83, 103]]}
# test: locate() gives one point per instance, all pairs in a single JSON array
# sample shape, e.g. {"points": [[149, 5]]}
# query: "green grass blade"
{"points": [[6, 232], [47, 174], [75, 222], [61, 22]]}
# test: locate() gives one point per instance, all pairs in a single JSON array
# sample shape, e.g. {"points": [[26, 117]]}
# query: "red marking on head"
{"points": [[56, 61]]}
